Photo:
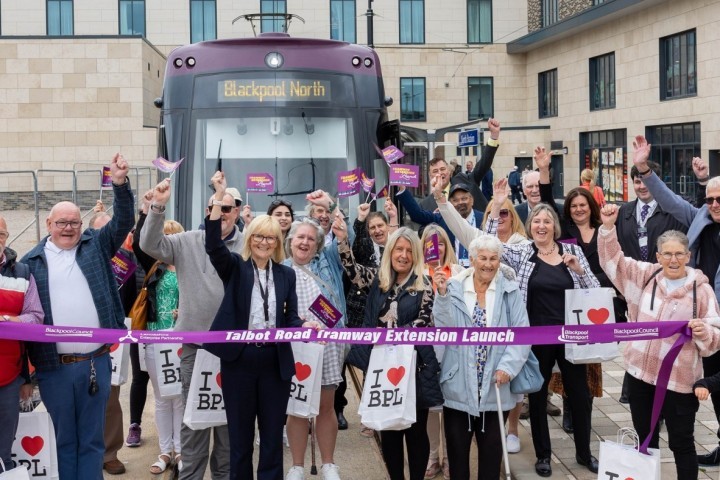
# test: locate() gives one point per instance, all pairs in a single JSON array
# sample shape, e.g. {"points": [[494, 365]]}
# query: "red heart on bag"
{"points": [[302, 371], [218, 379], [598, 316], [179, 352], [32, 445], [395, 375], [114, 347]]}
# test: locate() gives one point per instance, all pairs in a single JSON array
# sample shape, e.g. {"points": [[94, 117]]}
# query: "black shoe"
{"points": [[591, 464], [342, 421], [710, 459], [624, 399], [543, 468]]}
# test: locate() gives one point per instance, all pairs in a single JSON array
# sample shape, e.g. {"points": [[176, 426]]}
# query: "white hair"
{"points": [[485, 242]]}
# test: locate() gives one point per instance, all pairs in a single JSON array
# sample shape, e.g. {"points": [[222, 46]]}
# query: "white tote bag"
{"points": [[120, 361], [590, 306], [621, 461], [306, 384], [388, 397], [142, 348], [205, 406], [167, 368], [34, 447], [17, 473]]}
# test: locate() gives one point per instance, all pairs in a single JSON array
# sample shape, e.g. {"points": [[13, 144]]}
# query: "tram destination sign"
{"points": [[263, 90]]}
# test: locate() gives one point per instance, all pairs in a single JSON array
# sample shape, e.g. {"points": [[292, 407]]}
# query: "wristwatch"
{"points": [[157, 208]]}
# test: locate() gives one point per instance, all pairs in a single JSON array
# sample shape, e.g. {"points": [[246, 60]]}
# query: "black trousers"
{"points": [[340, 401], [138, 387], [679, 411], [711, 366], [459, 430], [418, 449], [576, 389], [252, 388]]}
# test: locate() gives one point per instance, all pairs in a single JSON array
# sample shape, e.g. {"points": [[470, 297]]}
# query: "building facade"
{"points": [[582, 77]]}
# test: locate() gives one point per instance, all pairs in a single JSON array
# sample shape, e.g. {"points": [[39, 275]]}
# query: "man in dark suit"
{"points": [[531, 189], [461, 199]]}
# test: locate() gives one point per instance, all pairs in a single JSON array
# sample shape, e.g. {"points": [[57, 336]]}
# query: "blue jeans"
{"points": [[9, 415], [78, 417]]}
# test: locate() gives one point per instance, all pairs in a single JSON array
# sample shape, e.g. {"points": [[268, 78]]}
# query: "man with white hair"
{"points": [[704, 237]]}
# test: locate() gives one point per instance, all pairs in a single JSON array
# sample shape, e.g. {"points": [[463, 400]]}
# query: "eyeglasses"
{"points": [[278, 202], [669, 255], [711, 200], [223, 208], [262, 238], [62, 224], [4, 235], [504, 213]]}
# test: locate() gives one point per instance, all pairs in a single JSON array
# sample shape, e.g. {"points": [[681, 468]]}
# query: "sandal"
{"points": [[178, 461], [367, 432], [432, 470], [161, 465]]}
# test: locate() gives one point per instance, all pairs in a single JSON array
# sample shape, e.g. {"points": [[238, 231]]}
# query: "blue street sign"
{"points": [[468, 138]]}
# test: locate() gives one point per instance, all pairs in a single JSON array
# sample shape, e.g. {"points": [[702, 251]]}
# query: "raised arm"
{"points": [[484, 164], [220, 256], [460, 227], [152, 238], [416, 213], [115, 232], [360, 275]]}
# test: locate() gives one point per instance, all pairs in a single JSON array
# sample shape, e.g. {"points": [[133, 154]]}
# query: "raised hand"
{"points": [[99, 206], [440, 281], [246, 214], [119, 169], [700, 168], [437, 189], [608, 215], [642, 152], [320, 198], [542, 158], [572, 262], [338, 227], [500, 191], [147, 199], [391, 210], [161, 194], [494, 127], [219, 184], [363, 211]]}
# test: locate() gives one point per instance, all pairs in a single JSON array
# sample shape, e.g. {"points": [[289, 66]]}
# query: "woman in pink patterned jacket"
{"points": [[665, 292]]}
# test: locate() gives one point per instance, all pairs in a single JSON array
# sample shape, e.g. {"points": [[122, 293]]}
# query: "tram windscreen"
{"points": [[302, 153]]}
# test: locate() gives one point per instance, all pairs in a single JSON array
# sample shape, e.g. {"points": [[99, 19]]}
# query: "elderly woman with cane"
{"points": [[655, 292], [481, 296]]}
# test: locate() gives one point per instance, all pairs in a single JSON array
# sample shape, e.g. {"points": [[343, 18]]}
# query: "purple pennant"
{"points": [[432, 248], [348, 183], [166, 166], [405, 175], [323, 309], [259, 183], [367, 182], [106, 177], [122, 268]]}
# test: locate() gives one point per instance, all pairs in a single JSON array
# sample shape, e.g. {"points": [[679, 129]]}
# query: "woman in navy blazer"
{"points": [[259, 293]]}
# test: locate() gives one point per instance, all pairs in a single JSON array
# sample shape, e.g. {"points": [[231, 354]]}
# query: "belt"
{"points": [[67, 359]]}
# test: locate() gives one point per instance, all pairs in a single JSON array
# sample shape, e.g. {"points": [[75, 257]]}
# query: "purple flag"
{"points": [[122, 268], [348, 183], [259, 183], [405, 175], [367, 182], [325, 311], [392, 154], [106, 178], [432, 249], [166, 166]]}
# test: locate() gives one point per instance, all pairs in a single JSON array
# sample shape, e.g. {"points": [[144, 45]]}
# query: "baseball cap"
{"points": [[458, 186], [235, 194], [514, 167]]}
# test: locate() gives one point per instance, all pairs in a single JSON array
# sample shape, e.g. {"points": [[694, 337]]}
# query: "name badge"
{"points": [[643, 241]]}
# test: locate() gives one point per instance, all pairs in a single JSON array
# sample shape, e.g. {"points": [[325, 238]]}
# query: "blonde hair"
{"points": [[588, 176], [450, 258], [386, 274], [517, 225], [171, 226], [268, 226], [544, 207]]}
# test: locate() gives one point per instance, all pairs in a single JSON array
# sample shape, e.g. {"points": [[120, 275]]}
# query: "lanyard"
{"points": [[264, 291]]}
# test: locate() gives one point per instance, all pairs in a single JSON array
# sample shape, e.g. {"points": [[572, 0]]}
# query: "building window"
{"points": [[547, 94], [480, 98], [673, 148], [605, 153], [132, 17], [203, 20], [678, 66], [549, 12], [602, 82], [59, 17], [342, 20], [479, 24], [412, 100], [273, 24], [412, 21]]}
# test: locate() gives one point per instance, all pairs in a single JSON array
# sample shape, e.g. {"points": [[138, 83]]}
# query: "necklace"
{"points": [[549, 252]]}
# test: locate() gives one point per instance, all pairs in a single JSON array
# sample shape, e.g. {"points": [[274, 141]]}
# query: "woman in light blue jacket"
{"points": [[484, 295]]}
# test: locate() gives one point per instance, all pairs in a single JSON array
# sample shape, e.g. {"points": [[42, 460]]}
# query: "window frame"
{"points": [[479, 40], [555, 12], [542, 88], [72, 16], [608, 62], [400, 22], [144, 26], [404, 117], [204, 36], [665, 45], [354, 25], [276, 22], [492, 98]]}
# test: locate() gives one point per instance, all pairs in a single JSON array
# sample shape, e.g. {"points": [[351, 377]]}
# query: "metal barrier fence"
{"points": [[84, 188]]}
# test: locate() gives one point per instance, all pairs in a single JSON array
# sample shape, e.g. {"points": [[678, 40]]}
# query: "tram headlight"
{"points": [[356, 61], [368, 62], [274, 60], [190, 62], [178, 62]]}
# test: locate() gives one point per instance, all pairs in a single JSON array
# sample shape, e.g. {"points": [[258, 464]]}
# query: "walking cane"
{"points": [[313, 467], [503, 439]]}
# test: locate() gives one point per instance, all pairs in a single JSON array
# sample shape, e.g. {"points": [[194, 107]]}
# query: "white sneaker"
{"points": [[295, 473], [513, 443], [285, 437], [330, 471]]}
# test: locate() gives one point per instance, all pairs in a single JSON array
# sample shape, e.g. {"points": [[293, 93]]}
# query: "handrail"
{"points": [[36, 219]]}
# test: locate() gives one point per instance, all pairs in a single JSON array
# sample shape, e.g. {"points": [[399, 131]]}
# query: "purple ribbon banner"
{"points": [[546, 335]]}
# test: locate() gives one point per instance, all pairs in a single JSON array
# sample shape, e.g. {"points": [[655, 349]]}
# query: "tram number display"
{"points": [[259, 90]]}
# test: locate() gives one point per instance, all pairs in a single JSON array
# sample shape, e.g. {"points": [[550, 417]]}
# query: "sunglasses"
{"points": [[223, 208], [711, 200], [277, 203], [504, 213]]}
